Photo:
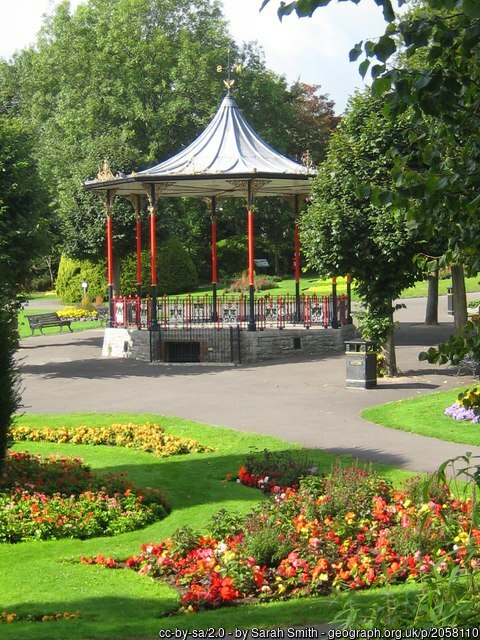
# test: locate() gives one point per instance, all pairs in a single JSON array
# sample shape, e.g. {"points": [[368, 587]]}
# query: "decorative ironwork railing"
{"points": [[271, 312]]}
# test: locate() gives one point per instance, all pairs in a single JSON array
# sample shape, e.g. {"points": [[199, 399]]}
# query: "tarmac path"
{"points": [[303, 401]]}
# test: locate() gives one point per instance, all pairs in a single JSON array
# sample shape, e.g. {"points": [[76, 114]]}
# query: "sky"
{"points": [[313, 50]]}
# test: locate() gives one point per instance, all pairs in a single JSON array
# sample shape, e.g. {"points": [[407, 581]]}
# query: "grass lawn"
{"points": [[40, 578], [425, 416], [420, 290], [308, 286], [321, 287]]}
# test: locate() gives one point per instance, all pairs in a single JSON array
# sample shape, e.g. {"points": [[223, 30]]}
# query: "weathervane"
{"points": [[230, 68], [307, 159]]}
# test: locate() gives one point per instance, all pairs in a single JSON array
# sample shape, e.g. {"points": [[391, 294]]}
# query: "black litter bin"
{"points": [[361, 364]]}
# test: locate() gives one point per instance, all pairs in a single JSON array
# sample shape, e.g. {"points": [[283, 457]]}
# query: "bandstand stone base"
{"points": [[254, 346], [272, 344]]}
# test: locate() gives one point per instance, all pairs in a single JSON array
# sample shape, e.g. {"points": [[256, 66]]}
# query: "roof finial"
{"points": [[230, 68], [307, 159]]}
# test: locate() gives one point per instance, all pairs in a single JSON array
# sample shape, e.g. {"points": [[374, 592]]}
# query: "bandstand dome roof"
{"points": [[219, 162]]}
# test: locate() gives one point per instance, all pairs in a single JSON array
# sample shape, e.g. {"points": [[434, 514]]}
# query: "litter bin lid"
{"points": [[360, 345]]}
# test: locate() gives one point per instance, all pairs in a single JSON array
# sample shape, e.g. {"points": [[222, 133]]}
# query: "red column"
{"points": [[214, 250], [297, 263], [214, 260], [251, 262], [139, 253], [153, 247], [297, 254], [111, 310], [153, 259], [251, 249], [109, 249]]}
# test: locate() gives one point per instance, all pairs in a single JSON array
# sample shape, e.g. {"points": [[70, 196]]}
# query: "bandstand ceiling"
{"points": [[219, 162]]}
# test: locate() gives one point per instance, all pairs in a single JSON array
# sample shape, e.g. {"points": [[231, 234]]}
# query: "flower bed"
{"points": [[467, 406], [8, 618], [271, 471], [77, 314], [459, 412], [349, 530], [146, 437], [55, 497]]}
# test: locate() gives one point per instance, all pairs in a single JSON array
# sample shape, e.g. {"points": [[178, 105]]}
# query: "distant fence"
{"points": [[271, 312]]}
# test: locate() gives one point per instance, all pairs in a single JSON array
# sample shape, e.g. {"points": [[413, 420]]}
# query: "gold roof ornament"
{"points": [[230, 68], [105, 173], [307, 159]]}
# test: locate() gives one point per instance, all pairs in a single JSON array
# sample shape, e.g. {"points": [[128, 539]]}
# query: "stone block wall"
{"points": [[255, 346], [258, 346]]}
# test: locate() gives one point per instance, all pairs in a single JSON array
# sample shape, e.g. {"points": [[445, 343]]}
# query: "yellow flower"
{"points": [[462, 537], [228, 555]]}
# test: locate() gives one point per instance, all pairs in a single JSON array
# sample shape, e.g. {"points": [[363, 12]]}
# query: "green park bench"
{"points": [[41, 320]]}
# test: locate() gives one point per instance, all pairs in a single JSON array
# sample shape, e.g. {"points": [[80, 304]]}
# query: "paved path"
{"points": [[302, 401]]}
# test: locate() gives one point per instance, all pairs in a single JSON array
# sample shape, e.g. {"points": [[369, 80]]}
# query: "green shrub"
{"points": [[283, 468], [128, 274], [351, 489], [264, 541], [184, 540], [232, 255], [71, 274], [176, 271], [225, 523], [9, 375]]}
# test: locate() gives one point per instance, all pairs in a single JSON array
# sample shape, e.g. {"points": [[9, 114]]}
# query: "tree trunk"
{"points": [[49, 264], [460, 315], [431, 313], [388, 351], [276, 257]]}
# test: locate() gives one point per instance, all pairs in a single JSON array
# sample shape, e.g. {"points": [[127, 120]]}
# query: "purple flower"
{"points": [[458, 412]]}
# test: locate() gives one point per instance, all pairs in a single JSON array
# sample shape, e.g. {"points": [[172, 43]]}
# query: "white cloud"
{"points": [[314, 49]]}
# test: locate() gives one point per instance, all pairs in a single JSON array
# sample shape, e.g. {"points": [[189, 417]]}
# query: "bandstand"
{"points": [[228, 159]]}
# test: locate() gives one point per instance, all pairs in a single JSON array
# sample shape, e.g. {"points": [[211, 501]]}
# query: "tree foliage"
{"points": [[176, 271], [23, 207], [313, 121], [9, 375], [437, 78], [348, 229], [22, 211]]}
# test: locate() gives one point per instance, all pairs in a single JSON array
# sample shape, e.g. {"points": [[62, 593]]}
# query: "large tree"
{"points": [[348, 229], [24, 213], [312, 122], [22, 221]]}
